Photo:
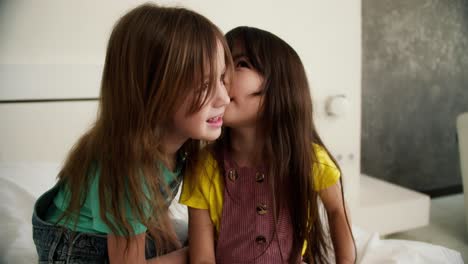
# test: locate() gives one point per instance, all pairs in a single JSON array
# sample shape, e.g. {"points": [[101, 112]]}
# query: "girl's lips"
{"points": [[215, 121]]}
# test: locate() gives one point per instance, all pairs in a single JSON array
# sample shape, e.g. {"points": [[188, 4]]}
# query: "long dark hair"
{"points": [[287, 126], [156, 58]]}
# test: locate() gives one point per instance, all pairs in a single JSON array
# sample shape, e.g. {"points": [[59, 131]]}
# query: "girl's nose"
{"points": [[222, 97]]}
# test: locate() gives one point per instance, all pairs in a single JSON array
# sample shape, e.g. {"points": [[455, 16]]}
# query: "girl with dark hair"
{"points": [[254, 197]]}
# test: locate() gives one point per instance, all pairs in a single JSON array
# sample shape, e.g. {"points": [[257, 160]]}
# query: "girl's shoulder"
{"points": [[199, 188], [324, 170], [207, 164], [322, 158]]}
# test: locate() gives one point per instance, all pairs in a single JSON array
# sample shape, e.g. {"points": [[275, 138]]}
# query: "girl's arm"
{"points": [[339, 229], [201, 237], [135, 253]]}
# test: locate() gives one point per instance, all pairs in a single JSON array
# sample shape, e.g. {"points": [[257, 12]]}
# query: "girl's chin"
{"points": [[212, 135]]}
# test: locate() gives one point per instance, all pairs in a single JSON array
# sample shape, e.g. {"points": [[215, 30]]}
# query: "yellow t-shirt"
{"points": [[207, 191]]}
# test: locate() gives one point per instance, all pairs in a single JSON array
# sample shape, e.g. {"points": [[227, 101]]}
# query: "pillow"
{"points": [[16, 207]]}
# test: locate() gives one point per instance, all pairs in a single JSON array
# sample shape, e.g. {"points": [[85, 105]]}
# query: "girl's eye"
{"points": [[242, 64], [257, 93], [203, 89], [223, 78]]}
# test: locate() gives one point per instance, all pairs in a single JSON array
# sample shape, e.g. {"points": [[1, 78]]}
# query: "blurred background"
{"points": [[388, 80]]}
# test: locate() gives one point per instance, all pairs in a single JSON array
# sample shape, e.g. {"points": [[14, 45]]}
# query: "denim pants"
{"points": [[57, 244]]}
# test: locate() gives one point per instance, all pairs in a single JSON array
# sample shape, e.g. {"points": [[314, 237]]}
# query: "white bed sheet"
{"points": [[371, 250], [22, 183]]}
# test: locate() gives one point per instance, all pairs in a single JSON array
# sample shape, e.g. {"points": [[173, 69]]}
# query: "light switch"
{"points": [[336, 105]]}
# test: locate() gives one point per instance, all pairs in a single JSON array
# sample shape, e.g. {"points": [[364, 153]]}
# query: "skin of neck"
{"points": [[246, 146]]}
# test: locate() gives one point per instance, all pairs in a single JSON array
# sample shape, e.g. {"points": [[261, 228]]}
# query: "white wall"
{"points": [[45, 44]]}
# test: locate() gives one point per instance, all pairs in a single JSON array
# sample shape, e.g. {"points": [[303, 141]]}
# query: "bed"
{"points": [[22, 183]]}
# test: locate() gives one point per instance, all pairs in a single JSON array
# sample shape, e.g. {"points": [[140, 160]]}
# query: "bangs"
{"points": [[205, 77], [252, 45]]}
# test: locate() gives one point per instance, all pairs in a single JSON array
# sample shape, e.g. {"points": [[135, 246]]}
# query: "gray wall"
{"points": [[415, 82]]}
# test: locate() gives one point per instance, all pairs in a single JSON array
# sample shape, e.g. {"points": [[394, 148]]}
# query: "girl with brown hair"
{"points": [[254, 197], [162, 91]]}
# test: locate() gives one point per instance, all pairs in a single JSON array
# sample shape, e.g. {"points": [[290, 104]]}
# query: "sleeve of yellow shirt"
{"points": [[325, 171], [196, 188]]}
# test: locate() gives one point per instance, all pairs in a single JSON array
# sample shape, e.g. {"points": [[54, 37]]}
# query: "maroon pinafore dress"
{"points": [[247, 231]]}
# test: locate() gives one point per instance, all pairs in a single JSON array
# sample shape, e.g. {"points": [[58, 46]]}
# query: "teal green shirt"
{"points": [[89, 220]]}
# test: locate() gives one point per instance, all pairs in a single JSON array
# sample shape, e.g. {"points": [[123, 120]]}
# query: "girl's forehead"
{"points": [[217, 60], [238, 47], [238, 53]]}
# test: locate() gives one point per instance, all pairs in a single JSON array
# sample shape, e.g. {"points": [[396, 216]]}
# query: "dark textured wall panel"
{"points": [[415, 83]]}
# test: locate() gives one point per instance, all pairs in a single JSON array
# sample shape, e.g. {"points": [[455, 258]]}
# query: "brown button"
{"points": [[260, 240], [232, 175], [259, 177], [262, 209]]}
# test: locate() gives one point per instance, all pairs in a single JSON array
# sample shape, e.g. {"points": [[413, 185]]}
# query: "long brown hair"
{"points": [[156, 58], [287, 126]]}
